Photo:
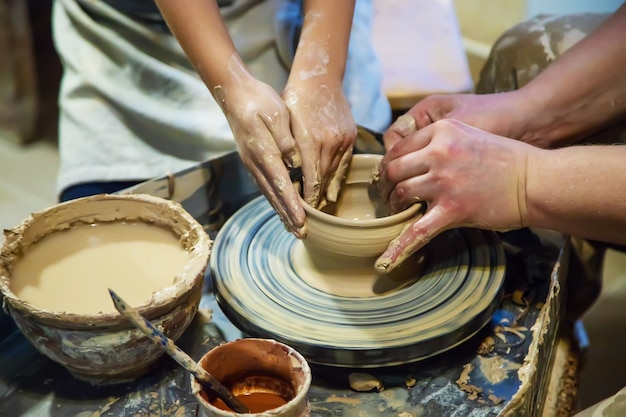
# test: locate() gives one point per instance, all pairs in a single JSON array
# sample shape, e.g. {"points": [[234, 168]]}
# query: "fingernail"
{"points": [[300, 233], [331, 194], [405, 125], [382, 264], [294, 160]]}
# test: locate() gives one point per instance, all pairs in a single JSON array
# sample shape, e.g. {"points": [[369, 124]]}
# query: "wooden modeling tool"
{"points": [[207, 381]]}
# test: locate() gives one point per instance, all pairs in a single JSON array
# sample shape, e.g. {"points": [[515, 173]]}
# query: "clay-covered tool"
{"points": [[207, 381]]}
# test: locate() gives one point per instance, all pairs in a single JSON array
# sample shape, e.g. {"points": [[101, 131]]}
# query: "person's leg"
{"points": [[528, 48]]}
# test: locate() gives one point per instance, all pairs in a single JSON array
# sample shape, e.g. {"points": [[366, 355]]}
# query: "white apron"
{"points": [[133, 108]]}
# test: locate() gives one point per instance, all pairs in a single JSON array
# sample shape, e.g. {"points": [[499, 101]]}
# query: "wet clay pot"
{"points": [[358, 225], [105, 348], [262, 373]]}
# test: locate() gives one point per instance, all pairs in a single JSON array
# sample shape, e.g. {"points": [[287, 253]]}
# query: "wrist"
{"points": [[226, 88], [319, 87], [561, 119], [231, 74], [313, 75], [537, 192], [543, 125], [530, 119]]}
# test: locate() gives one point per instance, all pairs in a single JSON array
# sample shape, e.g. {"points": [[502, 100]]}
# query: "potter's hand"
{"points": [[260, 123], [325, 131], [504, 114], [466, 177]]}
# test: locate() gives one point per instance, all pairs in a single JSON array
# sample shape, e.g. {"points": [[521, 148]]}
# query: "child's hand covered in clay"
{"points": [[325, 132]]}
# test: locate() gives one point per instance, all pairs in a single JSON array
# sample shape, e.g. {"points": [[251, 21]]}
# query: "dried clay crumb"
{"points": [[472, 390], [205, 315], [364, 382], [486, 346], [518, 298], [494, 399], [463, 382], [517, 330], [464, 377]]}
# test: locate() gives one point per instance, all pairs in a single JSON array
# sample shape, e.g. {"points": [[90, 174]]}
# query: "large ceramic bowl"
{"points": [[358, 224], [104, 347]]}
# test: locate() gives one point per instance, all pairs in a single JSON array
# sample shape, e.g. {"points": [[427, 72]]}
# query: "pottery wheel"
{"points": [[447, 293]]}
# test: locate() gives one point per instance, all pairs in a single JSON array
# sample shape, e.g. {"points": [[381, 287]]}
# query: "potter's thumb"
{"points": [[410, 240]]}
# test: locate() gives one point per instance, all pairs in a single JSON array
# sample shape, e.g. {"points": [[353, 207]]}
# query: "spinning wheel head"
{"points": [[263, 287]]}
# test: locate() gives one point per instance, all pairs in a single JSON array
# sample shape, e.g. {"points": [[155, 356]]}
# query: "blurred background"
{"points": [[29, 78]]}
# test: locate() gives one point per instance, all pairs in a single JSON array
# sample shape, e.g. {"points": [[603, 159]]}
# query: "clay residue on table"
{"points": [[363, 382], [463, 382], [617, 408], [372, 404], [344, 400], [496, 368]]}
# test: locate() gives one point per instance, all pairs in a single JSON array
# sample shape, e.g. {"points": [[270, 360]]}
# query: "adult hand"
{"points": [[325, 131], [509, 114], [259, 120], [467, 178]]}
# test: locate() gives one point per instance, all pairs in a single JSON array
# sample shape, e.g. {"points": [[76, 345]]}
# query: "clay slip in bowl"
{"points": [[105, 348]]}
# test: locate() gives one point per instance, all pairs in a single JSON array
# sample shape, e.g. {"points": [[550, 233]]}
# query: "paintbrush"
{"points": [[205, 379]]}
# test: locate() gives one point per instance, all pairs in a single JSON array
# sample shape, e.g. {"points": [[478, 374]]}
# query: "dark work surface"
{"points": [[33, 385]]}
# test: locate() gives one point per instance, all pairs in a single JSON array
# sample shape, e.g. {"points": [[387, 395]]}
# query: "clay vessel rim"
{"points": [[364, 223], [370, 161], [68, 320], [183, 284]]}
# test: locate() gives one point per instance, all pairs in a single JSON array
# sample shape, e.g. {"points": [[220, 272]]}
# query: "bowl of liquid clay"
{"points": [[57, 265], [358, 225], [268, 377]]}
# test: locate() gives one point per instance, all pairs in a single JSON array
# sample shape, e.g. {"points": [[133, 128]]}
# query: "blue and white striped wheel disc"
{"points": [[447, 301]]}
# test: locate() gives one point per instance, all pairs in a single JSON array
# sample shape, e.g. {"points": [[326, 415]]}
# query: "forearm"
{"points": [[583, 89], [323, 46], [578, 190], [198, 27]]}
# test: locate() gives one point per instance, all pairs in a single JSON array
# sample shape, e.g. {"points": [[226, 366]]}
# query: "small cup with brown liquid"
{"points": [[269, 377]]}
